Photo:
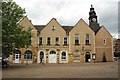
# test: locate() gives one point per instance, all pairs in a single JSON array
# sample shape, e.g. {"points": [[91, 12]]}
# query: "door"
{"points": [[52, 57], [41, 56], [87, 57], [17, 58]]}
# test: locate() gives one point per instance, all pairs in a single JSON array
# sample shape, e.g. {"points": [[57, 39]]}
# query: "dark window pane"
{"points": [[63, 55], [57, 40], [48, 40], [65, 40], [40, 40]]}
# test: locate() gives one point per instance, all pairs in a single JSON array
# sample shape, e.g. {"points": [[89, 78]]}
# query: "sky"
{"points": [[69, 12]]}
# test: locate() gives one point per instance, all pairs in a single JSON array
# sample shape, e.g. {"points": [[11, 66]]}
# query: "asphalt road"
{"points": [[70, 70]]}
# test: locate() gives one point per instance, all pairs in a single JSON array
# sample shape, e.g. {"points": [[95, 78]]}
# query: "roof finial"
{"points": [[91, 6]]}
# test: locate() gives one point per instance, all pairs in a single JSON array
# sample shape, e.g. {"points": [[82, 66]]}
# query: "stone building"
{"points": [[64, 44], [116, 47]]}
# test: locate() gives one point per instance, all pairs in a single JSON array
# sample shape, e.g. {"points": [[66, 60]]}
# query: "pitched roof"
{"points": [[95, 27], [66, 28], [97, 30], [39, 27], [105, 29]]}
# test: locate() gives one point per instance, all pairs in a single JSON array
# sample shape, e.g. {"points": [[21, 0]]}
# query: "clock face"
{"points": [[94, 20]]}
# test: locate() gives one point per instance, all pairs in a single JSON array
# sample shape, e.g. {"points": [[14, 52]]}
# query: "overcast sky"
{"points": [[69, 12]]}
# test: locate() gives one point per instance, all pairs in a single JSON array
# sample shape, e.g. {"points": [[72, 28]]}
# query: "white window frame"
{"points": [[64, 40], [77, 36], [65, 56], [88, 38], [58, 40], [47, 40]]}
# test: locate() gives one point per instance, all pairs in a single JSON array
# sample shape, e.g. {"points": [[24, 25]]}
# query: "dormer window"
{"points": [[53, 27]]}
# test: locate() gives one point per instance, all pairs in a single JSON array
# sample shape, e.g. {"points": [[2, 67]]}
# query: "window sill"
{"points": [[65, 45], [87, 44], [28, 59], [77, 44], [63, 59], [57, 44], [48, 44], [40, 44]]}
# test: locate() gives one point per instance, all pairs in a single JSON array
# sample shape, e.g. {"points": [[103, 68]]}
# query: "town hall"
{"points": [[64, 44]]}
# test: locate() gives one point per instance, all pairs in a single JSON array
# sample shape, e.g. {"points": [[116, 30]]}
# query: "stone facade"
{"points": [[64, 44]]}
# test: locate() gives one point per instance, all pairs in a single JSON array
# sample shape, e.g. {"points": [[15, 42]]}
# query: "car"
{"points": [[0, 59], [5, 62]]}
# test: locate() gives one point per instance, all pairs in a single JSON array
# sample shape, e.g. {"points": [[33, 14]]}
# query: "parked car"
{"points": [[0, 60], [5, 62]]}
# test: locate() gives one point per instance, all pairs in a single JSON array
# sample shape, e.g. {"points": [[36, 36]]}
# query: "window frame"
{"points": [[48, 41], [104, 41], [57, 42], [53, 27], [28, 55], [63, 57], [65, 41], [40, 40], [76, 39], [87, 39]]}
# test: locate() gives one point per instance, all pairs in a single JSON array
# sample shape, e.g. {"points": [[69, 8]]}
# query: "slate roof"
{"points": [[95, 27], [66, 28], [39, 27]]}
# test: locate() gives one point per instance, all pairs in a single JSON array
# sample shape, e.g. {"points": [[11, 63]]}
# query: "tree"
{"points": [[13, 34], [0, 29]]}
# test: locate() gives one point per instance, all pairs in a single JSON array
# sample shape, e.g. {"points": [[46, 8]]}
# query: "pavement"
{"points": [[70, 70]]}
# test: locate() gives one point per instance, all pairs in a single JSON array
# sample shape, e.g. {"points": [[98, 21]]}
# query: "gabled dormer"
{"points": [[26, 23]]}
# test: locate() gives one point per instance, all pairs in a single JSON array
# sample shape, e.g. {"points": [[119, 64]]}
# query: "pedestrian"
{"points": [[35, 58], [41, 59]]}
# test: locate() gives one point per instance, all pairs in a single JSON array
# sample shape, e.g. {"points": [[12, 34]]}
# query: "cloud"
{"points": [[68, 12]]}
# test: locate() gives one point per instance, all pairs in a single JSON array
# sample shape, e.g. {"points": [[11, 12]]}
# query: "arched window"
{"points": [[28, 54], [41, 54], [52, 52], [63, 55]]}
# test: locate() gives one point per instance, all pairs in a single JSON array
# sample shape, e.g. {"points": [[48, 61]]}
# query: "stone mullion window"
{"points": [[87, 39], [65, 40], [48, 40], [40, 40], [57, 40], [76, 39]]}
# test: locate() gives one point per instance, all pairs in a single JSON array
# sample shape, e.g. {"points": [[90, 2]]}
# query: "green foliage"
{"points": [[13, 35]]}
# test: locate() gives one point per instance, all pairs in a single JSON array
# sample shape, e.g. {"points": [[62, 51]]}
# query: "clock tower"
{"points": [[93, 22]]}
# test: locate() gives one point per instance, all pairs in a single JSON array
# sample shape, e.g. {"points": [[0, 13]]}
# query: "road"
{"points": [[70, 70]]}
